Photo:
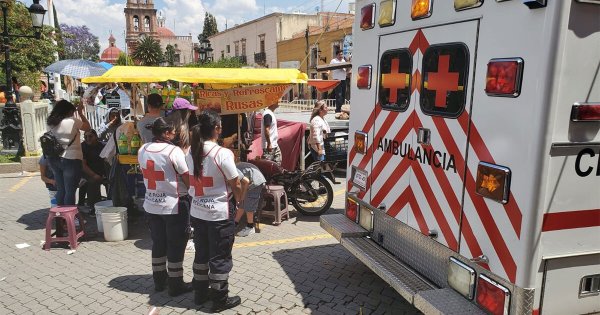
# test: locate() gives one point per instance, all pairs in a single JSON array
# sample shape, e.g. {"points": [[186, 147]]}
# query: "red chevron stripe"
{"points": [[436, 209], [570, 220], [366, 128], [408, 196], [454, 204], [485, 215], [512, 208], [390, 182], [416, 82], [418, 42]]}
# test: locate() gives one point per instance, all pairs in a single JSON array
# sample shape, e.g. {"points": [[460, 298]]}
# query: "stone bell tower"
{"points": [[140, 20]]}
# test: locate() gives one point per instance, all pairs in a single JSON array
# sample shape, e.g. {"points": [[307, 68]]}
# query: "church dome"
{"points": [[110, 54], [165, 32]]}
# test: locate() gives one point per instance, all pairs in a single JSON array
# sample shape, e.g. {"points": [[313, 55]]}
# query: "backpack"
{"points": [[50, 145]]}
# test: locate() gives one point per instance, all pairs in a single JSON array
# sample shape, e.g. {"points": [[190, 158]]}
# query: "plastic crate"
{"points": [[336, 148]]}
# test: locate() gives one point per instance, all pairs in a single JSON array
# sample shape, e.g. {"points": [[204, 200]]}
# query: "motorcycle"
{"points": [[308, 191]]}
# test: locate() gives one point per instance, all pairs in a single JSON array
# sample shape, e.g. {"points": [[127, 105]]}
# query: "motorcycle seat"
{"points": [[268, 168]]}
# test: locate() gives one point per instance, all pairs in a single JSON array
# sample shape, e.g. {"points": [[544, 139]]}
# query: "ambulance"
{"points": [[474, 154]]}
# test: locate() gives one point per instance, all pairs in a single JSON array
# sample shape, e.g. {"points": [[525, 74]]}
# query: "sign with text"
{"points": [[241, 100]]}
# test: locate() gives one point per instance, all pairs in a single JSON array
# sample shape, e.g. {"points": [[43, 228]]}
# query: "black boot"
{"points": [[178, 287], [159, 286], [229, 302], [200, 297]]}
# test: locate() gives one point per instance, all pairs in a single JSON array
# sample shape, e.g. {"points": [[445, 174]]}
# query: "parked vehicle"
{"points": [[473, 162], [308, 191]]}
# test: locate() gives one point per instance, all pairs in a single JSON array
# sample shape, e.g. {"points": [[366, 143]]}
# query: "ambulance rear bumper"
{"points": [[416, 289]]}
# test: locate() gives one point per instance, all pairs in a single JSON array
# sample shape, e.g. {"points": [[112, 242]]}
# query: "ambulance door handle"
{"points": [[424, 136]]}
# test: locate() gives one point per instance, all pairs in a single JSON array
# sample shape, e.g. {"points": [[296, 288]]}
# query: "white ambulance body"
{"points": [[474, 160]]}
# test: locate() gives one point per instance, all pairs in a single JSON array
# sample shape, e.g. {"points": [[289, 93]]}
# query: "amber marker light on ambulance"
{"points": [[387, 13], [363, 81], [493, 182], [360, 142], [421, 9], [466, 4], [504, 77], [367, 16]]}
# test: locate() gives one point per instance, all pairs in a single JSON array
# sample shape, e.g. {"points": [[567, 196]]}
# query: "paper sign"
{"points": [[359, 178], [242, 100]]}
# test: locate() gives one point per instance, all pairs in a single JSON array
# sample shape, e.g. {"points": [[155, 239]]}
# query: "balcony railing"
{"points": [[260, 58]]}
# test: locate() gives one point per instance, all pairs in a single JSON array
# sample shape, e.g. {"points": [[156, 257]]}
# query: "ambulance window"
{"points": [[395, 79], [445, 75]]}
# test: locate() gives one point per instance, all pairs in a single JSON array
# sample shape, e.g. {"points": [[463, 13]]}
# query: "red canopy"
{"points": [[290, 140], [324, 85]]}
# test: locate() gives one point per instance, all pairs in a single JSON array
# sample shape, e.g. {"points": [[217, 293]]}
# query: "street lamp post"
{"points": [[11, 122], [205, 50]]}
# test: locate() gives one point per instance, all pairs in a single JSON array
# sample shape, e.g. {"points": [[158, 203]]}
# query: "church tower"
{"points": [[140, 20]]}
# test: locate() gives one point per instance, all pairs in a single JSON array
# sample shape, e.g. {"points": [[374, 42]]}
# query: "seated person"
{"points": [[94, 170]]}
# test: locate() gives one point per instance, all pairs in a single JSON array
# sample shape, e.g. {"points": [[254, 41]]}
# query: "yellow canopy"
{"points": [[135, 74]]}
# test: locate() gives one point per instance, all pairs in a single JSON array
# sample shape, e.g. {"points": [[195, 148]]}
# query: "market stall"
{"points": [[226, 90]]}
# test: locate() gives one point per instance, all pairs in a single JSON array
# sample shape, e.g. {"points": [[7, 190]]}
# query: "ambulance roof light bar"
{"points": [[421, 9]]}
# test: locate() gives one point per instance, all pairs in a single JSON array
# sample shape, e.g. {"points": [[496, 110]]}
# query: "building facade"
{"points": [[255, 42], [142, 19]]}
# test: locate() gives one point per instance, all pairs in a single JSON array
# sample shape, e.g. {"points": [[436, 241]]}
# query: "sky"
{"points": [[182, 16]]}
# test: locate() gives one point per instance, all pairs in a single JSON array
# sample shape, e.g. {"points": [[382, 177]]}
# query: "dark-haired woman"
{"points": [[166, 205], [65, 126], [213, 181], [319, 128]]}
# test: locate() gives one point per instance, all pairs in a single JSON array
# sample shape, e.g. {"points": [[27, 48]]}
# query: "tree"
{"points": [[170, 55], [28, 56], [148, 52], [210, 26], [79, 42], [124, 60], [228, 62]]}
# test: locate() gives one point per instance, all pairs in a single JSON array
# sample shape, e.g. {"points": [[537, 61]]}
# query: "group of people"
{"points": [[190, 180]]}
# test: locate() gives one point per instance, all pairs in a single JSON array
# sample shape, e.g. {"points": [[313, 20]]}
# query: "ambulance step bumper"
{"points": [[387, 267], [339, 226]]}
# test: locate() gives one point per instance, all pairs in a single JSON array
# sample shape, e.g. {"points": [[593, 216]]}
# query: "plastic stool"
{"points": [[280, 203], [67, 213]]}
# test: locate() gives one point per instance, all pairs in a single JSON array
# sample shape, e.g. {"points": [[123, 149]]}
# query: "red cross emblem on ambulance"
{"points": [[395, 80], [442, 81]]}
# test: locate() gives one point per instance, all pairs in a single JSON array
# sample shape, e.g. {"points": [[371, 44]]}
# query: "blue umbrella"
{"points": [[105, 65], [76, 68]]}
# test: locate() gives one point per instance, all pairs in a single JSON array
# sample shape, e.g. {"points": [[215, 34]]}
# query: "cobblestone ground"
{"points": [[294, 268]]}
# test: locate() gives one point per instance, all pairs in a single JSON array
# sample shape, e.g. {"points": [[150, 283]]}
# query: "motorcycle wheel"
{"points": [[322, 196]]}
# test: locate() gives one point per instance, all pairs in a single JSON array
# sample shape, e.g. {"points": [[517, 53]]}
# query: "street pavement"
{"points": [[294, 268]]}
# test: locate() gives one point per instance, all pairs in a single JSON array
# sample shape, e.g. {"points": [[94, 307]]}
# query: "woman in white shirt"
{"points": [[65, 126], [213, 181], [167, 206], [319, 128]]}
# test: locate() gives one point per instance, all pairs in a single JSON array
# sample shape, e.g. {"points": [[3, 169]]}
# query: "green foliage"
{"points": [[170, 55], [28, 56], [231, 62], [148, 52], [124, 60], [210, 26], [9, 158]]}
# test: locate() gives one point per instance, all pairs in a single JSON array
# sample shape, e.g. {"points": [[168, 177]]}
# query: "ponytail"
{"points": [[318, 106], [208, 120]]}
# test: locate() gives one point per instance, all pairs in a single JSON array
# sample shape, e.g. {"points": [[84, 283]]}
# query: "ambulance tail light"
{"points": [[387, 13], [420, 9], [365, 218], [504, 77], [493, 182], [461, 278], [585, 112], [367, 16], [363, 81], [492, 297], [351, 209]]}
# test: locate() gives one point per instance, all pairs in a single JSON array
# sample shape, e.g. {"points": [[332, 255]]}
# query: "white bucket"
{"points": [[114, 221], [100, 206]]}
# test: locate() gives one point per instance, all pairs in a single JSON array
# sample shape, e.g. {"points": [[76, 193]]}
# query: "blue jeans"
{"points": [[67, 174], [316, 156]]}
